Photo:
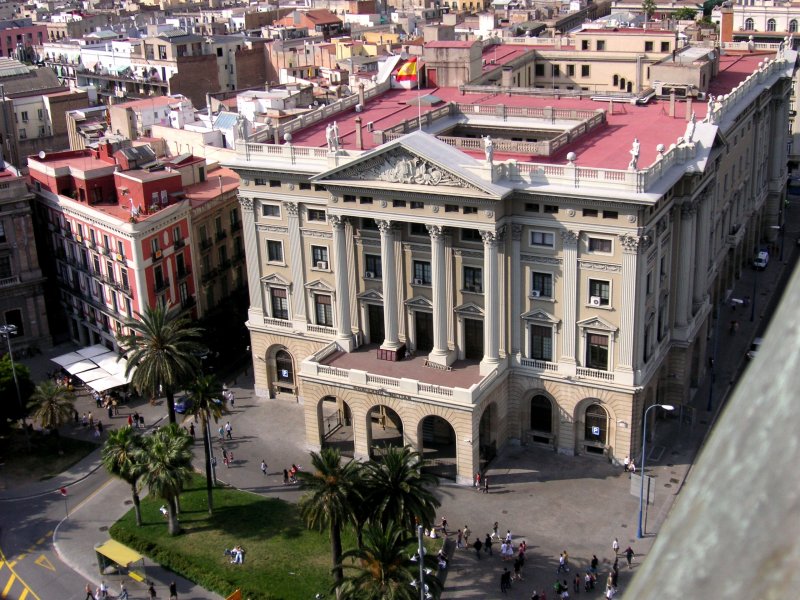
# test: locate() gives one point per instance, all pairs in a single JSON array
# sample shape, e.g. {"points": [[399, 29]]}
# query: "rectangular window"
{"points": [[274, 251], [271, 210], [370, 224], [589, 212], [648, 46], [599, 292], [584, 44], [599, 245], [471, 235], [348, 198], [531, 207], [422, 272], [665, 46], [417, 229], [541, 342], [399, 203], [322, 310], [154, 245], [649, 286], [372, 266], [470, 210], [450, 208], [539, 70], [319, 256], [571, 70], [542, 238], [473, 280], [365, 200], [550, 209], [610, 214], [416, 205], [584, 70], [541, 285], [305, 186], [316, 215], [176, 234], [597, 352], [280, 304], [5, 266], [274, 183], [601, 45], [554, 70]]}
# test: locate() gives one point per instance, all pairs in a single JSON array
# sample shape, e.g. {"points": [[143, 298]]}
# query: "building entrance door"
{"points": [[473, 339], [423, 327], [375, 318]]}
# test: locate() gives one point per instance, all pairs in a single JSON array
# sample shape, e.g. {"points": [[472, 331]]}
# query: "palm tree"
{"points": [[162, 348], [122, 457], [52, 405], [383, 569], [398, 490], [166, 466], [207, 403], [327, 503]]}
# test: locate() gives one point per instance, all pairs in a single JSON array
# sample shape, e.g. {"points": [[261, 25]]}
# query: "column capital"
{"points": [[516, 232], [246, 202], [489, 238], [688, 210], [292, 208], [436, 231], [632, 243], [569, 237], [336, 221], [384, 226]]}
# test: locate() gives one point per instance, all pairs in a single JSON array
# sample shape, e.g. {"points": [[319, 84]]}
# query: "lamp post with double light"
{"points": [[640, 533], [7, 331]]}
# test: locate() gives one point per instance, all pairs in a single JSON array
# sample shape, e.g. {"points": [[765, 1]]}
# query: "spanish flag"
{"points": [[408, 72]]}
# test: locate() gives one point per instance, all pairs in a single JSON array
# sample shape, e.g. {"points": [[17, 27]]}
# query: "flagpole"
{"points": [[419, 102]]}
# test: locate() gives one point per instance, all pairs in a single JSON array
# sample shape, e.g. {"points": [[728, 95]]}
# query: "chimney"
{"points": [[208, 104], [507, 77], [688, 108], [361, 100], [359, 138], [726, 25], [672, 104]]}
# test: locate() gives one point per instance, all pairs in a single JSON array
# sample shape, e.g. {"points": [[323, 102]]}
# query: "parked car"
{"points": [[761, 260], [754, 347], [183, 404]]}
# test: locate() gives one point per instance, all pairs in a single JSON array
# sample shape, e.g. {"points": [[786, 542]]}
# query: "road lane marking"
{"points": [[10, 583], [90, 496], [24, 594], [43, 561], [14, 577]]}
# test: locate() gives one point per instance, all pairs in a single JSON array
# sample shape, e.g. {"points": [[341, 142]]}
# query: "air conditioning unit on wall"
{"points": [[536, 293], [595, 301], [369, 275], [321, 264]]}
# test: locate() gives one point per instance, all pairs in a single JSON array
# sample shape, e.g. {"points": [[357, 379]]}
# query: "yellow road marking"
{"points": [[43, 561], [40, 540], [21, 556], [11, 581], [89, 497], [24, 594]]}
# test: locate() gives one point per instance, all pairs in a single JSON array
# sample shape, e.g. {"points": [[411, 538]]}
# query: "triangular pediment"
{"points": [[469, 308], [538, 314], [274, 279], [419, 161], [597, 323], [318, 286], [371, 296], [419, 302]]}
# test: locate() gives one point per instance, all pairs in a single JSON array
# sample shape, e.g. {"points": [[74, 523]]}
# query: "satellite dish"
{"points": [[42, 154]]}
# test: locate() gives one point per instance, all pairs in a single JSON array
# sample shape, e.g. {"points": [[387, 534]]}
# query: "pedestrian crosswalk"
{"points": [[11, 586]]}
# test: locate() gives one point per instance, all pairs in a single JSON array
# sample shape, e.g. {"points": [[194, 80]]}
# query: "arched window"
{"points": [[793, 26], [622, 83], [596, 425], [771, 25], [541, 414], [616, 80], [629, 88], [749, 25], [283, 364]]}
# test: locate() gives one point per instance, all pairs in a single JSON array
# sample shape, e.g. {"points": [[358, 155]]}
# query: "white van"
{"points": [[761, 260]]}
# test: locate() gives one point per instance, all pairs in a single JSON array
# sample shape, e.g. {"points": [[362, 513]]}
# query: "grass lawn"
{"points": [[44, 460], [283, 559]]}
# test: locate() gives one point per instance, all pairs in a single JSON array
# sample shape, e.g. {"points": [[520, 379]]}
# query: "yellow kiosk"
{"points": [[113, 557]]}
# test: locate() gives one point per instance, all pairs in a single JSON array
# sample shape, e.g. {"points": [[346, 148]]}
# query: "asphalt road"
{"points": [[31, 569]]}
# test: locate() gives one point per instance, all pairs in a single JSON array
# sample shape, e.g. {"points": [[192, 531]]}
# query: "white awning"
{"points": [[112, 363], [93, 375], [101, 385], [93, 351], [67, 359], [80, 367]]}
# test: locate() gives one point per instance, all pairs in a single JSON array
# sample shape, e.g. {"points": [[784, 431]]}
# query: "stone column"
{"points": [[516, 278], [390, 340], [299, 316], [252, 253], [687, 264], [569, 240], [344, 332], [627, 327], [491, 338], [439, 354], [702, 239]]}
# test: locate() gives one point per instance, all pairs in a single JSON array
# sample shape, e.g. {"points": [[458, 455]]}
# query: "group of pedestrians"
{"points": [[102, 592]]}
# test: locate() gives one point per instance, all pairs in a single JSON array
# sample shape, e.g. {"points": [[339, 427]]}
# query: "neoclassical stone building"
{"points": [[413, 283]]}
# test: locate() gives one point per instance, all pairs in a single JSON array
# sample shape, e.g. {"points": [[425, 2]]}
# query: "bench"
{"points": [[136, 576]]}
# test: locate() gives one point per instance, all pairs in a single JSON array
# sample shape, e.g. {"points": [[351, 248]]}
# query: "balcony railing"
{"points": [[161, 285], [183, 273], [278, 323], [541, 365], [206, 243], [179, 244], [221, 235], [7, 281], [595, 374], [321, 329]]}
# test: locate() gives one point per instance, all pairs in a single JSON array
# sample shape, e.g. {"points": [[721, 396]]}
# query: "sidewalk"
{"points": [[554, 502]]}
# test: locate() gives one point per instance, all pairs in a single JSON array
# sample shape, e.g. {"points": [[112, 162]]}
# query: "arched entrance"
{"points": [[438, 446], [336, 425], [487, 431], [541, 419], [281, 373], [595, 436], [385, 430]]}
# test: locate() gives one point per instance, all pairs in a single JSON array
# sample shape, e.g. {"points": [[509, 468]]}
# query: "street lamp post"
{"points": [[7, 331], [640, 534]]}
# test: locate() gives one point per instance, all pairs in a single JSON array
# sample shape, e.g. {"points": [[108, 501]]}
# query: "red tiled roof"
{"points": [[453, 44], [321, 16], [501, 54]]}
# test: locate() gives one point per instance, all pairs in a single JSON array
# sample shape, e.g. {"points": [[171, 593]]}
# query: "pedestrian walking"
{"points": [[517, 568], [494, 531], [505, 581], [173, 591], [459, 540], [477, 545], [467, 533], [221, 432], [191, 430], [477, 481], [103, 590], [444, 525], [485, 484], [151, 592], [136, 419], [285, 477], [535, 596], [614, 547], [233, 398], [633, 468], [595, 561], [123, 591], [228, 430], [626, 463], [576, 585], [487, 544], [264, 467], [89, 594], [508, 536], [225, 457], [130, 421], [562, 563], [629, 555]]}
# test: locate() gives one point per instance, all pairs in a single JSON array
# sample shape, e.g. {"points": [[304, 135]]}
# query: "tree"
{"points": [[10, 408], [329, 489], [166, 466], [52, 405], [162, 348], [207, 403], [649, 7], [685, 13], [383, 569], [398, 490], [123, 457]]}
